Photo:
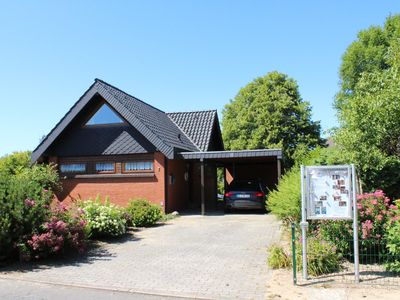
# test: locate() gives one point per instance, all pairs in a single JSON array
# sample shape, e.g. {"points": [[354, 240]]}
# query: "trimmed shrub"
{"points": [[103, 220], [277, 257], [143, 213]]}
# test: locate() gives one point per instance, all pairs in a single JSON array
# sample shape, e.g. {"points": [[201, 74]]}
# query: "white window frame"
{"points": [[73, 168]]}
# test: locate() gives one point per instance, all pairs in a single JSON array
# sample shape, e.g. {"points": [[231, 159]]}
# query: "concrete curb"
{"points": [[112, 289]]}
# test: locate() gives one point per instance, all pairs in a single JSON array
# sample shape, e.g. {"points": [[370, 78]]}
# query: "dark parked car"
{"points": [[245, 194]]}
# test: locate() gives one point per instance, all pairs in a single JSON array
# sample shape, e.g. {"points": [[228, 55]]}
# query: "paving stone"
{"points": [[211, 257]]}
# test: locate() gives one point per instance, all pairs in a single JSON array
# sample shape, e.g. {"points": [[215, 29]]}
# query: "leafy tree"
{"points": [[367, 54], [369, 112], [267, 113]]}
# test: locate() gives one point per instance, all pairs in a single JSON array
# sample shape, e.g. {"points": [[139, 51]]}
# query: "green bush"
{"points": [[392, 237], [25, 197], [285, 201], [322, 257], [103, 220], [15, 163], [143, 213], [277, 257]]}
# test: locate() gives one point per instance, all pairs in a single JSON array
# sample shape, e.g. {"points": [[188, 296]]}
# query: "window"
{"points": [[72, 168], [105, 167], [133, 166], [105, 115]]}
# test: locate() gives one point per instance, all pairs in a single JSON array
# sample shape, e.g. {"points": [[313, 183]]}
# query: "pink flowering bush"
{"points": [[374, 211], [64, 231]]}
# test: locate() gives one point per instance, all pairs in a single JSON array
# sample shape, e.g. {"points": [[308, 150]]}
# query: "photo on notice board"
{"points": [[342, 203], [337, 198]]}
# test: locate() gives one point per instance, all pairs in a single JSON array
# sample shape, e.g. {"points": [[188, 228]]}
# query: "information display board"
{"points": [[328, 192]]}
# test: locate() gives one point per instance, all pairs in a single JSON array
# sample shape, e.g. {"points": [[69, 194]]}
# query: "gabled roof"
{"points": [[151, 122], [198, 126]]}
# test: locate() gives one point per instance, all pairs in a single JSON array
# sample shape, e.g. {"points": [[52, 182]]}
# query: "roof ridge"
{"points": [[114, 87], [192, 111]]}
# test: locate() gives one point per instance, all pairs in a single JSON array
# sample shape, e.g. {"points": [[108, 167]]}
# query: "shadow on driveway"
{"points": [[97, 250]]}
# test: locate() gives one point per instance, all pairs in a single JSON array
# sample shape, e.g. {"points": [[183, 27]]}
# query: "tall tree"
{"points": [[368, 106], [367, 54], [267, 113]]}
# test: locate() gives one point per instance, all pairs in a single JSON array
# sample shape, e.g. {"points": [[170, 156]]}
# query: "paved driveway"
{"points": [[212, 257]]}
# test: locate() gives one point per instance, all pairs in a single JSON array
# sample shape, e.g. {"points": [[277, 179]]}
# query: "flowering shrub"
{"points": [[103, 220], [374, 211], [143, 213], [25, 195], [65, 230]]}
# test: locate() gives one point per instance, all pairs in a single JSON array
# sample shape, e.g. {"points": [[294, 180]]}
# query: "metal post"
{"points": [[279, 170], [304, 225], [294, 255], [355, 226], [202, 192]]}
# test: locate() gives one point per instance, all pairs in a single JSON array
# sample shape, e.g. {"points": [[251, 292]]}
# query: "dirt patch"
{"points": [[281, 287]]}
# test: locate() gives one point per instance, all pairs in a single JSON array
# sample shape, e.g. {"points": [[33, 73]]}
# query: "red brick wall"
{"points": [[121, 189], [178, 192]]}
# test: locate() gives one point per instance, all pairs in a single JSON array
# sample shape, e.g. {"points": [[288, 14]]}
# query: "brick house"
{"points": [[111, 143]]}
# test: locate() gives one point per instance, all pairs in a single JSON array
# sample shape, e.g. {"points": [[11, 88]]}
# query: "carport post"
{"points": [[202, 192], [279, 168]]}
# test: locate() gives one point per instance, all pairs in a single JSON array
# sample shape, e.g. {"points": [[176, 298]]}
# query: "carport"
{"points": [[264, 164]]}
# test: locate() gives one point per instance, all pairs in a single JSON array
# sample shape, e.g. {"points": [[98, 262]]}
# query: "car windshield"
{"points": [[244, 185]]}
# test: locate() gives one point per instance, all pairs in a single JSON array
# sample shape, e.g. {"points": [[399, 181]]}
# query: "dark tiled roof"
{"points": [[197, 125], [150, 121], [153, 124], [102, 140]]}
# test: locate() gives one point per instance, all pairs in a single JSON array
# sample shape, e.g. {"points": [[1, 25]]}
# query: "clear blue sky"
{"points": [[175, 55]]}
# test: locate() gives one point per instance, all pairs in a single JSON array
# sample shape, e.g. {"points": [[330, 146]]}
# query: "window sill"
{"points": [[83, 176]]}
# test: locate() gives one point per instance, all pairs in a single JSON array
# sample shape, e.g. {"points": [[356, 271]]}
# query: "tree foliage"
{"points": [[368, 106], [367, 54], [270, 113]]}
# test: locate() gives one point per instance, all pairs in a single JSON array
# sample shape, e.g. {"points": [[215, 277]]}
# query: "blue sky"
{"points": [[175, 55]]}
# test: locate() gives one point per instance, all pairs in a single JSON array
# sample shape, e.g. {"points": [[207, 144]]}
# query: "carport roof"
{"points": [[233, 154]]}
